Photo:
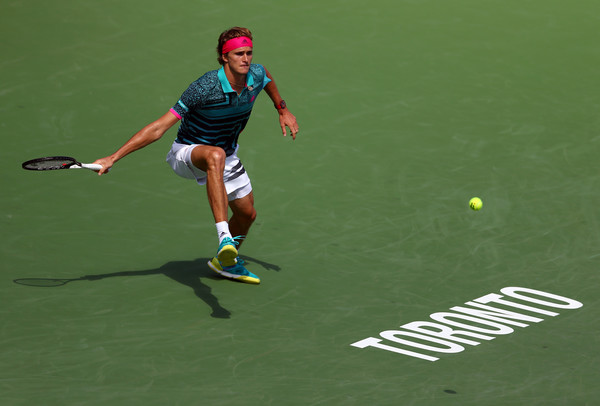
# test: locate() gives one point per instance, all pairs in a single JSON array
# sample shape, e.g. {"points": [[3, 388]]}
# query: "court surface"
{"points": [[407, 109]]}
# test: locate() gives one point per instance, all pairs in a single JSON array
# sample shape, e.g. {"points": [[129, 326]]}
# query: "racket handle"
{"points": [[93, 167]]}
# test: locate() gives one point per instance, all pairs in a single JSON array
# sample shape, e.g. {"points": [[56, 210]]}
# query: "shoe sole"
{"points": [[227, 255]]}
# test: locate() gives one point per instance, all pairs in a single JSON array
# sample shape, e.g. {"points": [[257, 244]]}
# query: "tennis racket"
{"points": [[52, 163]]}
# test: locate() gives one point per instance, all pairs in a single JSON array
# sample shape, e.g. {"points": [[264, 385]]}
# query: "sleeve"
{"points": [[189, 100], [261, 76], [266, 80]]}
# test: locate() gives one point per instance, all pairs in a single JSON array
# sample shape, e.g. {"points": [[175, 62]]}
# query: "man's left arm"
{"points": [[286, 118]]}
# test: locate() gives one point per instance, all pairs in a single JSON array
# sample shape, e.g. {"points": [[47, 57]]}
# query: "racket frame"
{"points": [[70, 163]]}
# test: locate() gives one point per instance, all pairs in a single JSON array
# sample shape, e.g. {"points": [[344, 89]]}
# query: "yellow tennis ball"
{"points": [[475, 203]]}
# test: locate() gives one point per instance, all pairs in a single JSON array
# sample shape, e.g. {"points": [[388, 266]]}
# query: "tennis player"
{"points": [[213, 112]]}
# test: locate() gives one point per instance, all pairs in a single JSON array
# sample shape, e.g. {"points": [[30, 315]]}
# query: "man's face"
{"points": [[239, 60]]}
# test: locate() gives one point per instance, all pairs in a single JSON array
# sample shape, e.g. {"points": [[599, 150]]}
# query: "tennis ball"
{"points": [[475, 203]]}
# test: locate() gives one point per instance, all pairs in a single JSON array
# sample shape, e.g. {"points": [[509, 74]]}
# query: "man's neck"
{"points": [[237, 81]]}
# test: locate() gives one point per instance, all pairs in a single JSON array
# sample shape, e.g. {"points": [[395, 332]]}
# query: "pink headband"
{"points": [[236, 43]]}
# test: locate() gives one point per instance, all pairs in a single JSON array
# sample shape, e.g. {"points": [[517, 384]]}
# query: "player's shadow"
{"points": [[188, 273]]}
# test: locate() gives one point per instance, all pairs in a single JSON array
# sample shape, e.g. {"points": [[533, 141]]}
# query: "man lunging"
{"points": [[213, 112]]}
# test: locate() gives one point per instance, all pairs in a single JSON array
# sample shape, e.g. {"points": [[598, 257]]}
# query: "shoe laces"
{"points": [[236, 240]]}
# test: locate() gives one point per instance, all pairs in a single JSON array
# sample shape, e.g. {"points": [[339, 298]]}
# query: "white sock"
{"points": [[223, 230]]}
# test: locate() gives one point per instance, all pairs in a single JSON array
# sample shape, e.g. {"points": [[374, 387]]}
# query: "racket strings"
{"points": [[49, 163]]}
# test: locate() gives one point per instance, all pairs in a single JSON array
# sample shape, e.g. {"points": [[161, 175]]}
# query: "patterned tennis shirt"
{"points": [[212, 113]]}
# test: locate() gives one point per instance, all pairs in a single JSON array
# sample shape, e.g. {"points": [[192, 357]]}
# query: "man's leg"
{"points": [[212, 161], [239, 224], [243, 216]]}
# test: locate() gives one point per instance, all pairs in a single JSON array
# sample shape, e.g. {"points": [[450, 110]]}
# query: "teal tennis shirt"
{"points": [[212, 113]]}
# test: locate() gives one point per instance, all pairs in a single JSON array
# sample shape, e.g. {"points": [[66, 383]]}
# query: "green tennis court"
{"points": [[364, 237]]}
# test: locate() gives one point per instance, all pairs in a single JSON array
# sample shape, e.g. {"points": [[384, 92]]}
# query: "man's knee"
{"points": [[245, 213], [215, 160], [217, 155], [251, 215], [209, 158]]}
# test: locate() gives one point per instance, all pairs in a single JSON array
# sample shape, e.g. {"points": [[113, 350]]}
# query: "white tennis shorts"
{"points": [[237, 182]]}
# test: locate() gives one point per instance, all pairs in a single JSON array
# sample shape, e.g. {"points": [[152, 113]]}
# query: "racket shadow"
{"points": [[188, 273]]}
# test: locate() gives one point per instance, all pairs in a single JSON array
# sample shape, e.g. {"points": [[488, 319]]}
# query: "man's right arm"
{"points": [[147, 135]]}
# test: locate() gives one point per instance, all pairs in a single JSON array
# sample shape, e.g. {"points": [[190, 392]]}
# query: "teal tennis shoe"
{"points": [[236, 272]]}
